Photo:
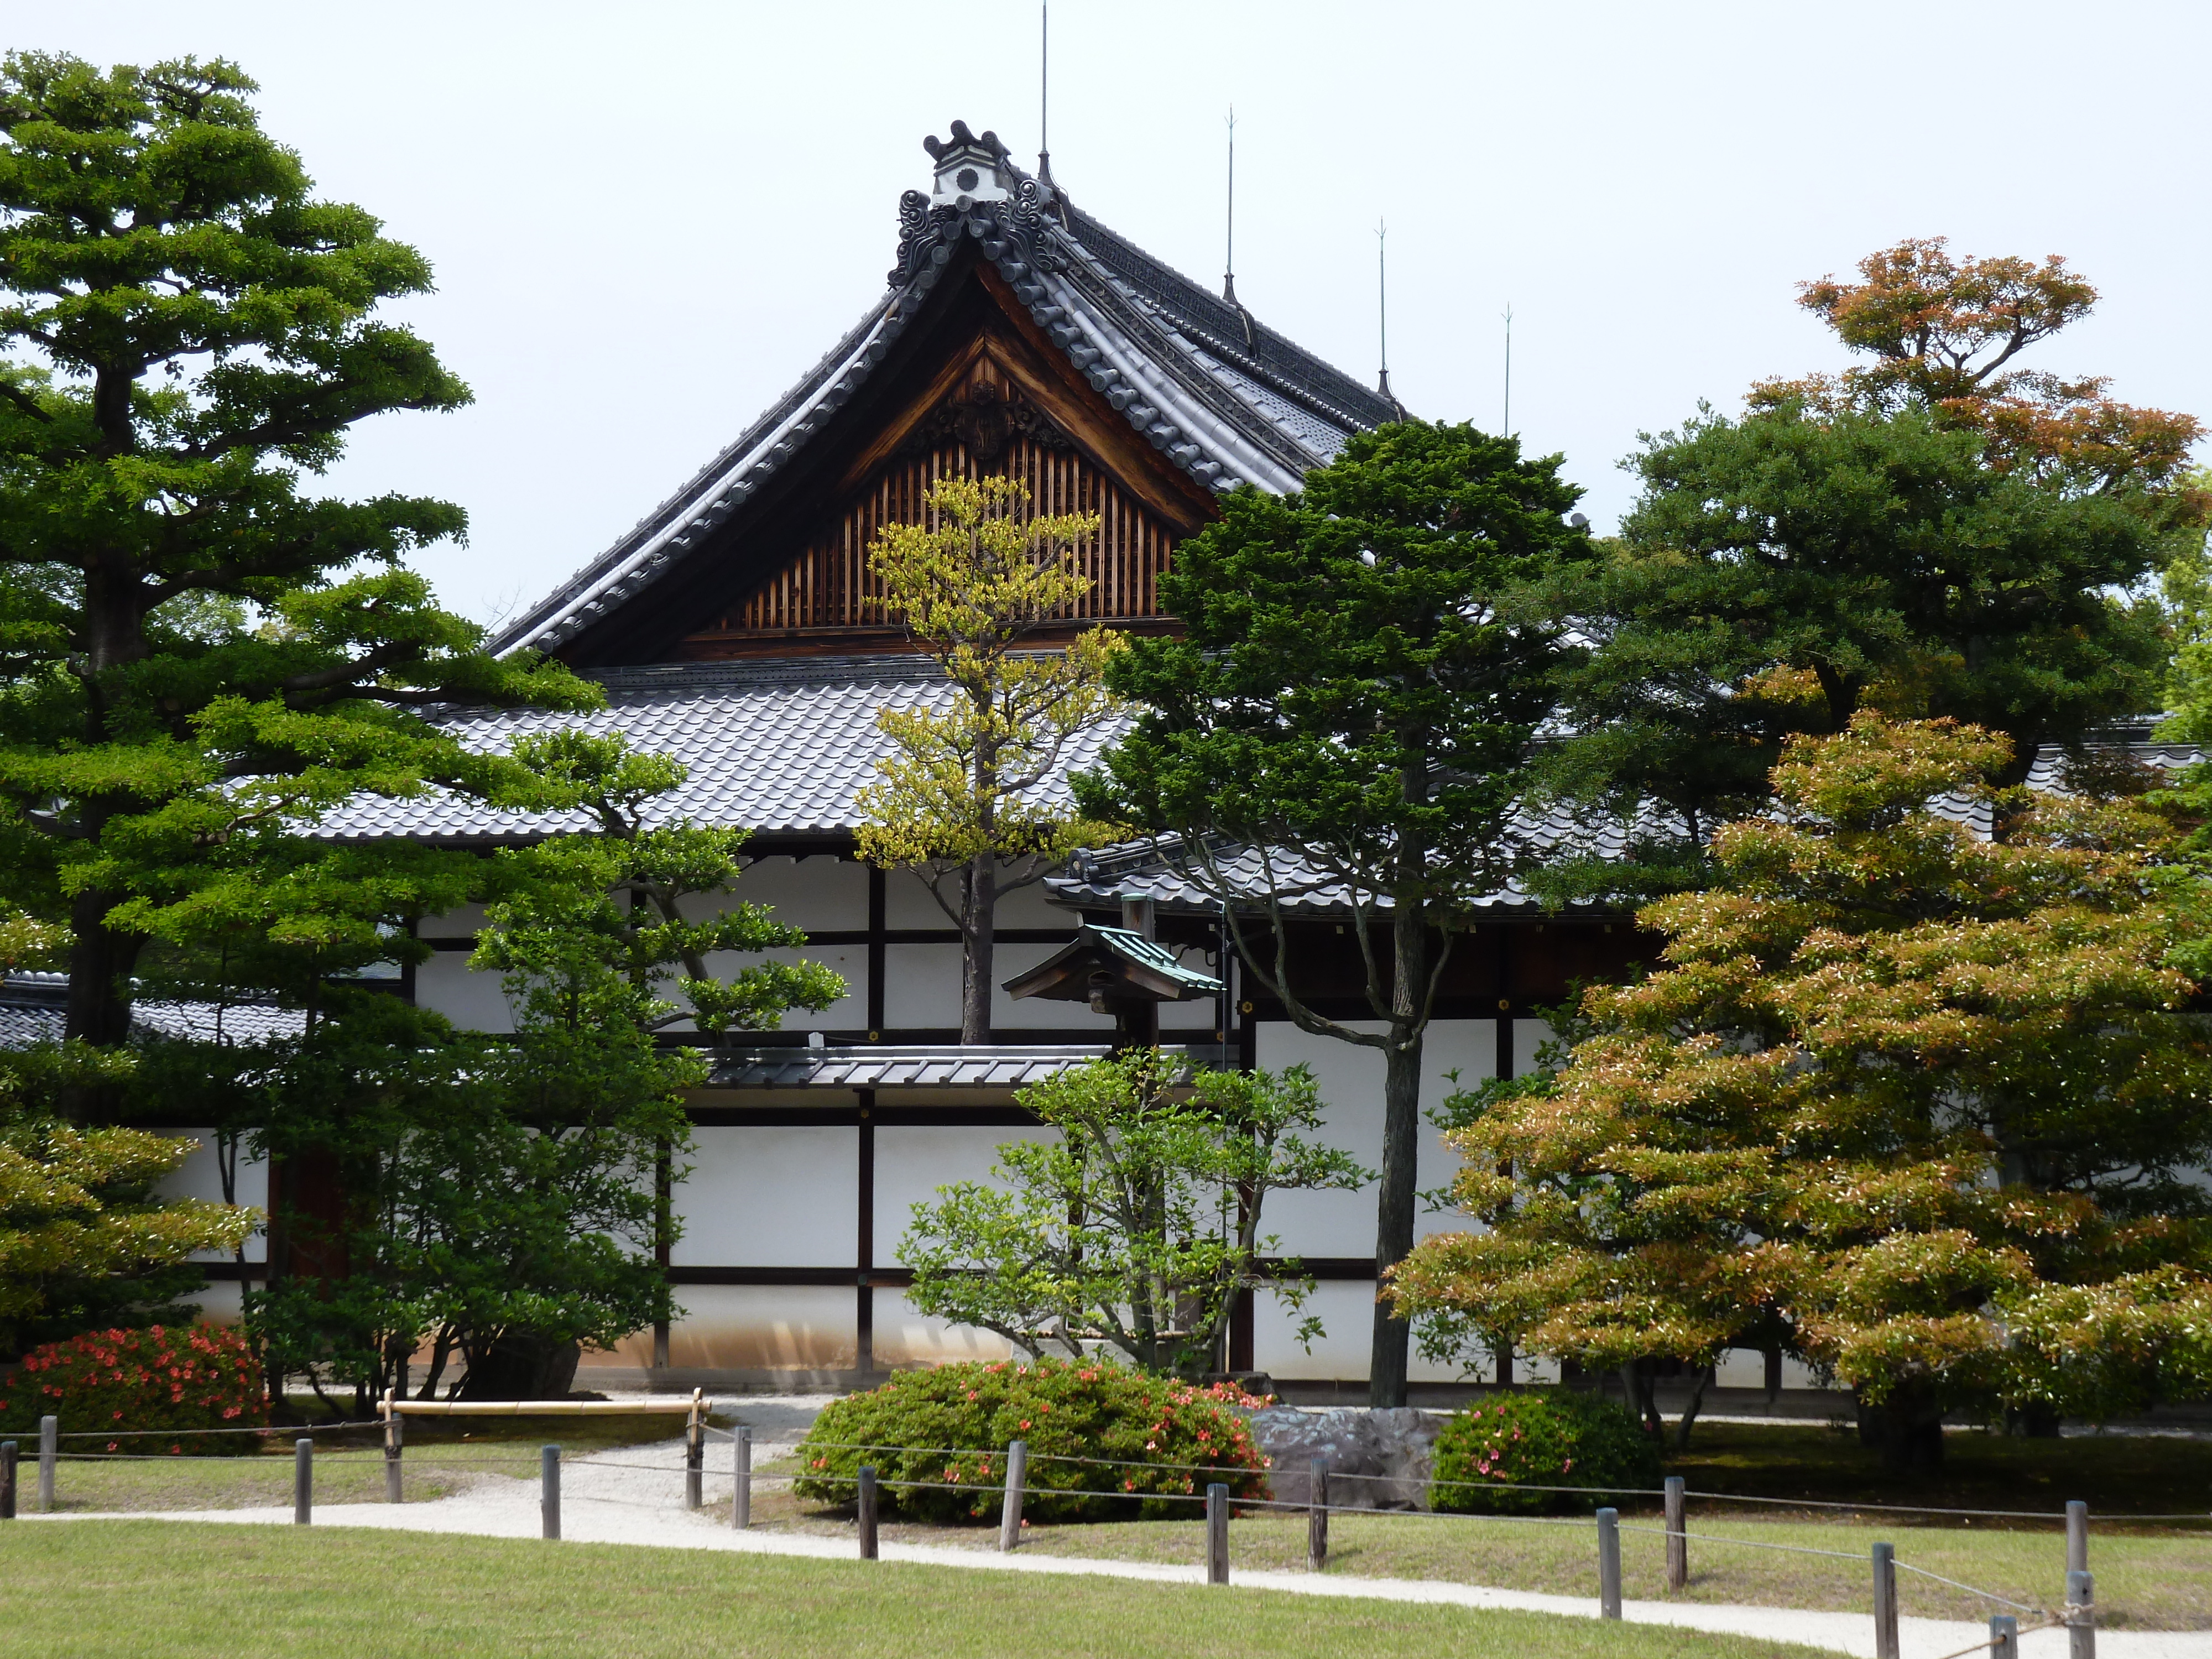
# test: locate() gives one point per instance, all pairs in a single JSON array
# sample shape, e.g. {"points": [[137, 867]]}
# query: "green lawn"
{"points": [[137, 1587], [2145, 1579], [442, 1456], [2114, 1473]]}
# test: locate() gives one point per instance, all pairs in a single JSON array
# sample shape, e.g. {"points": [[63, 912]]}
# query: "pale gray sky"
{"points": [[649, 219]]}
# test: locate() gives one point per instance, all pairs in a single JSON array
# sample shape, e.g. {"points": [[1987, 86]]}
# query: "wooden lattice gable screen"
{"points": [[987, 425]]}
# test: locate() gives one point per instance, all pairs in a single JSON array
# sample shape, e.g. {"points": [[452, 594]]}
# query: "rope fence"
{"points": [[1012, 1488]]}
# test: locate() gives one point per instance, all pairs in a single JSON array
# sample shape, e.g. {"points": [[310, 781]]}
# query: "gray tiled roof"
{"points": [[777, 746], [978, 1066], [1224, 398], [32, 1007]]}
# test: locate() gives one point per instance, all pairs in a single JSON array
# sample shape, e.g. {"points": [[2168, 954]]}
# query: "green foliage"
{"points": [[1361, 671], [84, 1240], [1919, 1107], [489, 1213], [595, 927], [946, 1429], [1539, 1438], [199, 651], [157, 1381], [504, 1198], [959, 799], [1138, 1225]]}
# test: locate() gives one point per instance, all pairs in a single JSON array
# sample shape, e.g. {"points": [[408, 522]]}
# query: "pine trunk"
{"points": [[979, 907]]}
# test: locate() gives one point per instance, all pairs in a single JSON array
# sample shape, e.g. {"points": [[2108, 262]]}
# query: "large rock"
{"points": [[1379, 1459]]}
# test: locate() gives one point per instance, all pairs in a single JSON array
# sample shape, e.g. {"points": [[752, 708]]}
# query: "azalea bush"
{"points": [[1162, 1442], [1490, 1458], [142, 1385]]}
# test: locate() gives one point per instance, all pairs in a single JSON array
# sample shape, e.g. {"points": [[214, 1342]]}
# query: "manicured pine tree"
{"points": [[1352, 703], [199, 649]]}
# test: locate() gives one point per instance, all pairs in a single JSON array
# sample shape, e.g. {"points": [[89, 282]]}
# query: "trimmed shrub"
{"points": [[1539, 1438], [144, 1386], [947, 1429]]}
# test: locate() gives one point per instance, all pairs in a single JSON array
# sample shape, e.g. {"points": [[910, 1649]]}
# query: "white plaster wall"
{"points": [[762, 1196], [1350, 1079], [750, 1327], [914, 1160], [922, 985], [903, 1337], [200, 1176], [462, 923], [907, 903], [823, 894], [472, 1000], [1528, 1036]]}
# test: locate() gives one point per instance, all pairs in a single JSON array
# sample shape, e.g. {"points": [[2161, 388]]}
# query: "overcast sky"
{"points": [[647, 219]]}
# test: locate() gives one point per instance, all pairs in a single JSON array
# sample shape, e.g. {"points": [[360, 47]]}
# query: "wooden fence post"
{"points": [[393, 1444], [549, 1491], [741, 1494], [7, 1480], [303, 1481], [1885, 1601], [1678, 1543], [50, 1445], [868, 1511], [695, 1451], [1217, 1533], [2080, 1616], [2077, 1537], [2004, 1636], [1317, 1515], [1018, 1475], [1608, 1564]]}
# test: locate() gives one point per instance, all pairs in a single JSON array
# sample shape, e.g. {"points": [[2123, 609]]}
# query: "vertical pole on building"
{"points": [[1678, 1542], [695, 1451], [7, 1480], [2080, 1616], [392, 1447], [50, 1445], [868, 1511], [303, 1481], [1018, 1474], [1608, 1564], [1217, 1533], [1317, 1515], [2004, 1636], [741, 1493], [1885, 1601], [2077, 1537], [548, 1491]]}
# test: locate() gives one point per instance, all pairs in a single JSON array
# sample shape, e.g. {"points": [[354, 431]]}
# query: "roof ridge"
{"points": [[1223, 317]]}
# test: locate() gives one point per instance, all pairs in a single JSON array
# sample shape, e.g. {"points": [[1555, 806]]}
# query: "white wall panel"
{"points": [[461, 923], [1350, 1079], [1528, 1036], [922, 985], [200, 1176], [748, 1327], [849, 1013], [826, 895], [472, 1000], [907, 903], [903, 1337], [762, 1196], [913, 1161]]}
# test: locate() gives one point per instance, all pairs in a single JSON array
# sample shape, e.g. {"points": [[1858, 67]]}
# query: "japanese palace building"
{"points": [[736, 627]]}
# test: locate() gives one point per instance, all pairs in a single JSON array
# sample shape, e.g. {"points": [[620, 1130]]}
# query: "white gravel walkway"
{"points": [[635, 1496]]}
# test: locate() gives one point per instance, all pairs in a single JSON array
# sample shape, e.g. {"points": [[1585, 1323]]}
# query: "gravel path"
{"points": [[634, 1495]]}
